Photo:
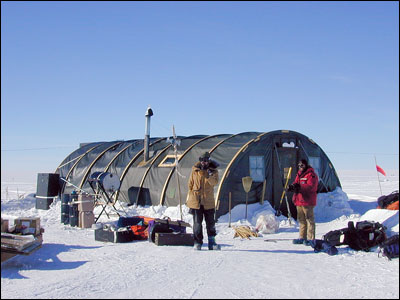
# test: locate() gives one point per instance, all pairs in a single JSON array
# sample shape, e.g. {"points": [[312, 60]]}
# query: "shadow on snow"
{"points": [[44, 259], [362, 207]]}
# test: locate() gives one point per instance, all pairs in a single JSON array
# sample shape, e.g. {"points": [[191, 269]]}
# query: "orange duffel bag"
{"points": [[140, 232], [393, 206]]}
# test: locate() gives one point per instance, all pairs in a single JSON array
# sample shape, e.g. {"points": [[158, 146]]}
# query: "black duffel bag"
{"points": [[385, 200]]}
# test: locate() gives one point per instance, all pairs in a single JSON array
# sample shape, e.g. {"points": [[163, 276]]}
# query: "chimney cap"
{"points": [[149, 112]]}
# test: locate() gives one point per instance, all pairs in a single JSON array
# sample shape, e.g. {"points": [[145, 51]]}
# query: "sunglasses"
{"points": [[301, 165], [205, 159]]}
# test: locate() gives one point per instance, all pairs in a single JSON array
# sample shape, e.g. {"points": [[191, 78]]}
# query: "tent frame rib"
{"points": [[131, 162], [148, 170], [227, 170], [74, 165], [116, 156], [164, 189], [93, 162], [308, 158], [79, 157]]}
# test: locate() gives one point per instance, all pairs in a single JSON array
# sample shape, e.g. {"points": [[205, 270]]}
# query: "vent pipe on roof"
{"points": [[148, 115]]}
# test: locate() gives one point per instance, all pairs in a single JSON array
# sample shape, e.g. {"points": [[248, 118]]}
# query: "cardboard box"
{"points": [[28, 225], [86, 219], [85, 202], [4, 225]]}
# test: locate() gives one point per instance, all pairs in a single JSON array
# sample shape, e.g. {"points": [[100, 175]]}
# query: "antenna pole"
{"points": [[175, 143]]}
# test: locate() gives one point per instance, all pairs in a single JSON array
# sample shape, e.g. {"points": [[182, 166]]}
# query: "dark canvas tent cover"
{"points": [[266, 157]]}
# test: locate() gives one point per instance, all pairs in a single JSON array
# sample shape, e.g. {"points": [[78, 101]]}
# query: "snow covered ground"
{"points": [[71, 264]]}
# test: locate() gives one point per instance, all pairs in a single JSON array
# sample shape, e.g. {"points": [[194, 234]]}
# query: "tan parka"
{"points": [[201, 186]]}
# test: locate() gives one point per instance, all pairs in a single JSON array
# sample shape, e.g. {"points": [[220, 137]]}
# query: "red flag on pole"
{"points": [[380, 170]]}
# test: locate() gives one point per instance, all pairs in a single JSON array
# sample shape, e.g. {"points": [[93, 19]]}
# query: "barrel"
{"points": [[65, 199], [108, 181], [73, 214]]}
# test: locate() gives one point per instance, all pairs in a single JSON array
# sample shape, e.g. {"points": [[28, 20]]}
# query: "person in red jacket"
{"points": [[305, 198]]}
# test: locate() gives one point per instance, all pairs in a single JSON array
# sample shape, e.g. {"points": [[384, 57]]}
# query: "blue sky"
{"points": [[75, 72]]}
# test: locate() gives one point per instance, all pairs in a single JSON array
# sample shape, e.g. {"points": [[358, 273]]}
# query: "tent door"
{"points": [[284, 158]]}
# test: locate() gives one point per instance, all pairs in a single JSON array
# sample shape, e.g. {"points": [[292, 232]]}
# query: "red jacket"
{"points": [[307, 195]]}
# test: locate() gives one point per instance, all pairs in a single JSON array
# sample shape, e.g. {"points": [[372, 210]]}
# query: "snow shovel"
{"points": [[278, 212], [247, 181], [263, 192]]}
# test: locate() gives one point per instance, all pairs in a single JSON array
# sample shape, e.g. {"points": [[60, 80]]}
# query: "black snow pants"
{"points": [[198, 215]]}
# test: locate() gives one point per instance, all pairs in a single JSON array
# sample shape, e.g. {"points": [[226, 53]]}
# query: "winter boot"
{"points": [[307, 242], [197, 247], [298, 241], [212, 245]]}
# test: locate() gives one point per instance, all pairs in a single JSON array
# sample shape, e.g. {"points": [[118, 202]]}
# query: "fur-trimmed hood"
{"points": [[212, 165]]}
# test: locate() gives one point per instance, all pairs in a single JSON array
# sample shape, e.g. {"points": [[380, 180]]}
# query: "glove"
{"points": [[210, 172], [295, 187]]}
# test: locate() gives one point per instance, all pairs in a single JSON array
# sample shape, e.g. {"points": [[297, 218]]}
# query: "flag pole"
{"points": [[377, 173]]}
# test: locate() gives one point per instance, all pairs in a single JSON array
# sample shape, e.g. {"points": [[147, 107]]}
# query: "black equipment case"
{"points": [[47, 189], [43, 203], [105, 235], [173, 239], [165, 226]]}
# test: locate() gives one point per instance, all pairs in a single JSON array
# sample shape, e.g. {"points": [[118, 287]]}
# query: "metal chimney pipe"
{"points": [[148, 115]]}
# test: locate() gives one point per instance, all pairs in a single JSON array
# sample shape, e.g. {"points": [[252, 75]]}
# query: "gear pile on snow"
{"points": [[362, 236]]}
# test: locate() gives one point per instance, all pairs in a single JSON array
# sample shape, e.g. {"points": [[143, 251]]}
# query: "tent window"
{"points": [[168, 161], [257, 168], [315, 162], [289, 142]]}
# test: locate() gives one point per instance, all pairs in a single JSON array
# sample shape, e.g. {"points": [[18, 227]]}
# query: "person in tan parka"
{"points": [[201, 200]]}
